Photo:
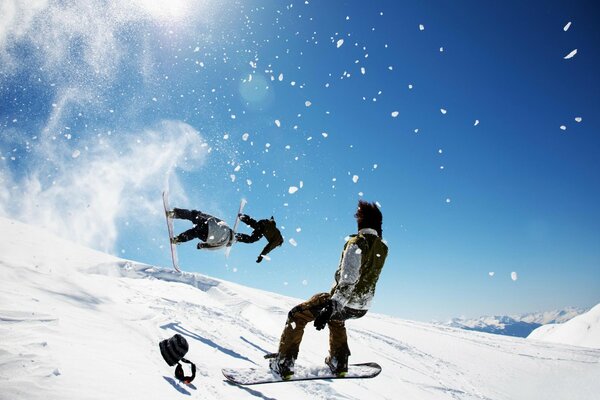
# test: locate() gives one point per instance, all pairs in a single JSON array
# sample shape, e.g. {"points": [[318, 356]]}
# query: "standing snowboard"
{"points": [[255, 376], [165, 196]]}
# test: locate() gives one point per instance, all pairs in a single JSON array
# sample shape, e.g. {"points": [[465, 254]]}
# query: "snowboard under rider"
{"points": [[350, 297], [214, 233]]}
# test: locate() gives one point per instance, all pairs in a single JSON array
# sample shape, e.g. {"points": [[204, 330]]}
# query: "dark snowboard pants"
{"points": [[198, 218], [302, 314]]}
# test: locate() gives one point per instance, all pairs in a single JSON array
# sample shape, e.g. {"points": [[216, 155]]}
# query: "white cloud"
{"points": [[83, 40], [82, 198]]}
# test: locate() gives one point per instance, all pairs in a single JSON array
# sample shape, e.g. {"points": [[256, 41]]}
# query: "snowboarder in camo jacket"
{"points": [[214, 233], [350, 297]]}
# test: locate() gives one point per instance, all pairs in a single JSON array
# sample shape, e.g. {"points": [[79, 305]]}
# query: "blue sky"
{"points": [[104, 106]]}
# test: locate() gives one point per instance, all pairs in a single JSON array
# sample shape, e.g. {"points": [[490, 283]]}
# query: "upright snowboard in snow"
{"points": [[235, 225], [255, 376], [165, 196]]}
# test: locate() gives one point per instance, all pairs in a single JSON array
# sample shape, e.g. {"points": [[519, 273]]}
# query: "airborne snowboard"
{"points": [[255, 376], [235, 225], [165, 197]]}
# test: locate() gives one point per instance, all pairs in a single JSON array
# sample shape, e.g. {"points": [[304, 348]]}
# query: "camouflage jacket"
{"points": [[360, 265]]}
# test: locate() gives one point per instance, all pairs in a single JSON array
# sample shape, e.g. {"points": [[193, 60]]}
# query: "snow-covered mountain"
{"points": [[515, 325], [79, 324], [583, 330]]}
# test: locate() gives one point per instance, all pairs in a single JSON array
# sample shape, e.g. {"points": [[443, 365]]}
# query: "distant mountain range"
{"points": [[515, 325]]}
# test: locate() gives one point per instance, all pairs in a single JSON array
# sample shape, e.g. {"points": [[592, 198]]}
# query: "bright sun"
{"points": [[165, 9]]}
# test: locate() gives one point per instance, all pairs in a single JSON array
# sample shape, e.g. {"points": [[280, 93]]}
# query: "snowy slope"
{"points": [[79, 324], [515, 325], [583, 330]]}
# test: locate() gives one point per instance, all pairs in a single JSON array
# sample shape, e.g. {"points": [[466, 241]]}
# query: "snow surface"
{"points": [[582, 330], [79, 324]]}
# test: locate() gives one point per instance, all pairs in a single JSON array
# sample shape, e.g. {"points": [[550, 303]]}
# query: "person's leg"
{"points": [[291, 337], [181, 213], [197, 217], [186, 236], [338, 347]]}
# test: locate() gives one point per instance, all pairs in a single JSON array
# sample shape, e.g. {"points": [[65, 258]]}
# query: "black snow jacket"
{"points": [[263, 227]]}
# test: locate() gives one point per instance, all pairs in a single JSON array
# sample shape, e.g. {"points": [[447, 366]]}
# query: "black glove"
{"points": [[259, 259], [324, 316], [244, 218]]}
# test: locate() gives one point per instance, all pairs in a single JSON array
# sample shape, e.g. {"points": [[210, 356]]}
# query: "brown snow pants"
{"points": [[302, 314]]}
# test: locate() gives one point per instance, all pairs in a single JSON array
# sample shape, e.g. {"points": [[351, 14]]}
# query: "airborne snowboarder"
{"points": [[350, 297], [214, 233]]}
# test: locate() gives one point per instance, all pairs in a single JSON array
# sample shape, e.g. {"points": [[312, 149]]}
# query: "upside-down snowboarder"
{"points": [[350, 297], [214, 233]]}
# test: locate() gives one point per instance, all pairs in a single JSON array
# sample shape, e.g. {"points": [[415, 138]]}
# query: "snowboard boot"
{"points": [[337, 367], [170, 214], [174, 241], [282, 367]]}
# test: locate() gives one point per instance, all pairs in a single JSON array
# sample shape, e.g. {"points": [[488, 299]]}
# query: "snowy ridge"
{"points": [[76, 323], [515, 325], [583, 330]]}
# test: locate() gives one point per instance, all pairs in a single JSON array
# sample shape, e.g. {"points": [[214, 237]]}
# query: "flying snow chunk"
{"points": [[355, 178], [476, 122], [563, 128], [410, 86], [293, 242], [443, 111], [567, 26], [280, 78], [307, 103], [578, 119], [340, 43], [76, 154], [395, 114], [245, 136], [514, 276], [278, 123], [421, 27], [491, 273], [305, 282], [325, 134], [363, 70], [571, 54], [292, 189]]}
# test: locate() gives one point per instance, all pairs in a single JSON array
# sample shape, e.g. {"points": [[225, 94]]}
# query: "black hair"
{"points": [[368, 215]]}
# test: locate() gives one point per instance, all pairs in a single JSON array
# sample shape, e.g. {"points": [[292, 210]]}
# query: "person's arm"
{"points": [[349, 274], [252, 223], [242, 237]]}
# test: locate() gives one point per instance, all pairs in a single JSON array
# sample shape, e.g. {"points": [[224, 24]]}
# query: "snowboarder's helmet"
{"points": [[173, 349]]}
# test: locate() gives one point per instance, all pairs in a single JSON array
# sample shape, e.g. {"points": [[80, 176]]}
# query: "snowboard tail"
{"points": [[256, 376], [165, 197]]}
